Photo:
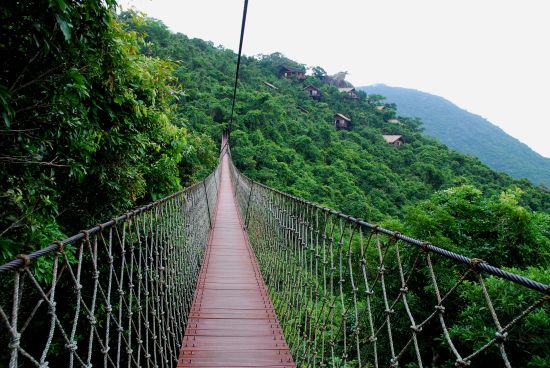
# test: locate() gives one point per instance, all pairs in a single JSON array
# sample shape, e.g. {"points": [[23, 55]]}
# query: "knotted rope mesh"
{"points": [[111, 296], [351, 294]]}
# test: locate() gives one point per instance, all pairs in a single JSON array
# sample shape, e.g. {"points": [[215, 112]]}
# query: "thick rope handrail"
{"points": [[55, 246], [483, 266]]}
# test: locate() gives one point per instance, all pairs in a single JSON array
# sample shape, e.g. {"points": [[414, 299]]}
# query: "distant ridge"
{"points": [[468, 133]]}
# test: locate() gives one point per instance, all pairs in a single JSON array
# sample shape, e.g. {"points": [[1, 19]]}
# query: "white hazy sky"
{"points": [[491, 57]]}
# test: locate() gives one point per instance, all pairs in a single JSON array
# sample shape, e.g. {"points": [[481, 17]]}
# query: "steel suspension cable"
{"points": [[243, 25]]}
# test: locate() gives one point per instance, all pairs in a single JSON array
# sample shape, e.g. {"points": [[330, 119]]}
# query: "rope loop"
{"points": [[72, 346], [474, 262], [424, 247], [375, 229], [440, 309], [416, 328], [462, 363], [26, 260], [15, 340], [60, 246], [501, 336], [394, 238]]}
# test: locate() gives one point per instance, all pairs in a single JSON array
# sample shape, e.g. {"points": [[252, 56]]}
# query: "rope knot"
{"points": [[60, 246], [14, 342], [375, 229], [109, 308], [78, 287], [416, 328], [404, 290], [462, 363], [424, 246], [92, 320], [106, 350], [26, 260], [387, 312], [72, 346], [501, 336], [474, 262], [394, 237], [440, 309]]}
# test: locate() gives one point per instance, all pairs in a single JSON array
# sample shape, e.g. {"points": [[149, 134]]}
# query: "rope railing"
{"points": [[352, 294], [115, 295]]}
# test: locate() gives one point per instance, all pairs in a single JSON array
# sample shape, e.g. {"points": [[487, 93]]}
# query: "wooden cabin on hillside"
{"points": [[313, 92], [341, 121], [395, 140], [350, 93], [289, 72], [380, 107]]}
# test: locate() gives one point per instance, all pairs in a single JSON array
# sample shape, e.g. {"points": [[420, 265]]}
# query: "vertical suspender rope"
{"points": [[243, 24]]}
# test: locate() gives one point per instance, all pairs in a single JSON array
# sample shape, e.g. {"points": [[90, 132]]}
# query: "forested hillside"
{"points": [[103, 112], [286, 139], [468, 133]]}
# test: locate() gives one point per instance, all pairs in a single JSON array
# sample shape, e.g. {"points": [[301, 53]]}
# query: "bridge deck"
{"points": [[232, 322]]}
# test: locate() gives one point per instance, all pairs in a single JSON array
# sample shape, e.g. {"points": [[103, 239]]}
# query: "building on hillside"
{"points": [[341, 121], [270, 85], [395, 140], [394, 121], [288, 72], [313, 92], [380, 107], [349, 92]]}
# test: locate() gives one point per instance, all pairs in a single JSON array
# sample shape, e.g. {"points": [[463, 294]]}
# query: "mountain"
{"points": [[468, 133]]}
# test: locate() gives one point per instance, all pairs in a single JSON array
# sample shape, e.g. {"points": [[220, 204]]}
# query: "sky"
{"points": [[490, 57]]}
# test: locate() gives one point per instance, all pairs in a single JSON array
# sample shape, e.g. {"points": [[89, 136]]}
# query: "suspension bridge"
{"points": [[232, 273]]}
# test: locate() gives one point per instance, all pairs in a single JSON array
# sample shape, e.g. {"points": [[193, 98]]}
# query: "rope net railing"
{"points": [[352, 294], [112, 296]]}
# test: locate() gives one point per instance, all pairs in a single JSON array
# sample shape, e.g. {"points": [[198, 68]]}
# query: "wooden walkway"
{"points": [[232, 322]]}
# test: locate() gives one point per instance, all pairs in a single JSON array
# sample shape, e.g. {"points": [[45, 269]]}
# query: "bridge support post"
{"points": [[248, 205], [207, 203]]}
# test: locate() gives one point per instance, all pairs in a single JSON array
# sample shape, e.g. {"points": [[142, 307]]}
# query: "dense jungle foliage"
{"points": [[88, 123], [102, 113]]}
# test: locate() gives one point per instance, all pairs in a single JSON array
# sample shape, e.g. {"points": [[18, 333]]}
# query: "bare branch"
{"points": [[24, 161]]}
